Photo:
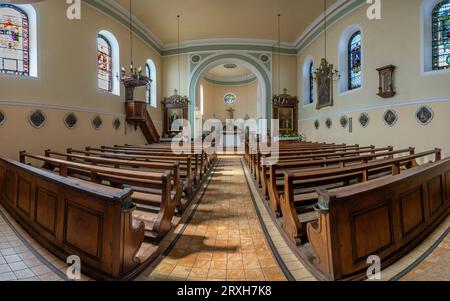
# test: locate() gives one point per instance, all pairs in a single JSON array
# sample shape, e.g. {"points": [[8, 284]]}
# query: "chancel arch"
{"points": [[261, 73]]}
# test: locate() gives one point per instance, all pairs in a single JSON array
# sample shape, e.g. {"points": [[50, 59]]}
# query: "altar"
{"points": [[230, 139]]}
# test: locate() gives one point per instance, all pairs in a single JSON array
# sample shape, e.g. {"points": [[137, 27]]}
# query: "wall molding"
{"points": [[335, 12], [18, 103], [379, 107]]}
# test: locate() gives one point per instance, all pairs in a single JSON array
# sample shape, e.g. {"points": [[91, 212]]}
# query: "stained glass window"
{"points": [[354, 61], [149, 86], [311, 83], [441, 35], [14, 41], [104, 60]]}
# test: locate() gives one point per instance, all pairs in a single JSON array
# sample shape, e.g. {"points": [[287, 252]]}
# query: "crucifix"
{"points": [[230, 113]]}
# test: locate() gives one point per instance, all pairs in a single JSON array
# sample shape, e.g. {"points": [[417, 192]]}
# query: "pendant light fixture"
{"points": [[135, 78], [280, 98], [177, 98], [332, 73]]}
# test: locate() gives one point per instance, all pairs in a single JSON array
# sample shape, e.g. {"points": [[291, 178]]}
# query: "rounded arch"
{"points": [[152, 89], [343, 56], [225, 58], [307, 80], [115, 52]]}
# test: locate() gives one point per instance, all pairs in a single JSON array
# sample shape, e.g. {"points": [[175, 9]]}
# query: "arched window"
{"points": [[308, 81], [311, 82], [441, 35], [14, 41], [150, 70], [104, 60], [354, 61]]}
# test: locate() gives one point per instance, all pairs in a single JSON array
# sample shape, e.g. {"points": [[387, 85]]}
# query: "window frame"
{"points": [[26, 54], [435, 41], [350, 73], [110, 84]]}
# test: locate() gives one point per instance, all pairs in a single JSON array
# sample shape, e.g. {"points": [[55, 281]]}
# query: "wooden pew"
{"points": [[188, 165], [291, 203], [158, 226], [199, 158], [293, 154], [148, 166], [208, 155], [314, 155], [386, 217], [51, 208], [273, 176]]}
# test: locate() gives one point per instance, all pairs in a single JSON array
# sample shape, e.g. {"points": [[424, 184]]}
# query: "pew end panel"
{"points": [[386, 217], [68, 218]]}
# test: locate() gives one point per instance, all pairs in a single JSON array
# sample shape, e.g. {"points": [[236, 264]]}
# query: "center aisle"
{"points": [[224, 239]]}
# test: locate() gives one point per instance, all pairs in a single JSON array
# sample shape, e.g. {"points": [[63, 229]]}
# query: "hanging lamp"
{"points": [[135, 78]]}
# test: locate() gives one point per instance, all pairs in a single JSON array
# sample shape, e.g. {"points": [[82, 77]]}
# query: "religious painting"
{"points": [[386, 81], [286, 119], [324, 85], [364, 119], [390, 117], [344, 121], [424, 115], [174, 114]]}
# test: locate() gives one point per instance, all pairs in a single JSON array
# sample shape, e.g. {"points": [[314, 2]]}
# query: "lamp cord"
{"points": [[131, 34], [279, 54], [179, 64], [325, 25]]}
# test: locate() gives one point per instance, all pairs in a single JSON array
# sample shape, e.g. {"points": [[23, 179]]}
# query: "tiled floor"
{"points": [[224, 240], [20, 262], [435, 267], [220, 238]]}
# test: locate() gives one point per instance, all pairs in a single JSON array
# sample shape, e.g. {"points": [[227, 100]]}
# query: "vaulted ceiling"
{"points": [[233, 19]]}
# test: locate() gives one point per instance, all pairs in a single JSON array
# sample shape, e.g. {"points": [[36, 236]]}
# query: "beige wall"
{"points": [[288, 74], [393, 40], [214, 100], [67, 77]]}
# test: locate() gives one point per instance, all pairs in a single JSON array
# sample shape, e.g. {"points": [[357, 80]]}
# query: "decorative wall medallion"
{"points": [[344, 121], [71, 120], [317, 124], [328, 123], [264, 58], [117, 123], [424, 115], [230, 99], [2, 118], [37, 119], [364, 120], [97, 122], [196, 58], [390, 117]]}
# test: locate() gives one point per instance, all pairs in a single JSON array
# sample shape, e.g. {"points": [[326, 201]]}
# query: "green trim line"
{"points": [[125, 22], [222, 47], [226, 47], [231, 83], [330, 22], [207, 62]]}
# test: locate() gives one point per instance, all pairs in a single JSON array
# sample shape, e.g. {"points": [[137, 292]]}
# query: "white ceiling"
{"points": [[220, 72], [226, 19]]}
